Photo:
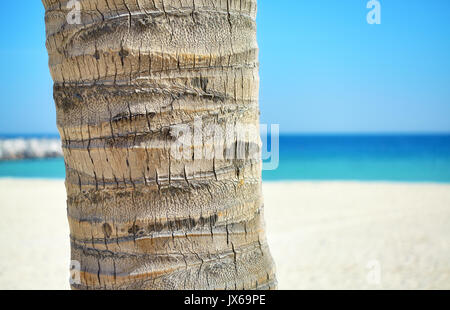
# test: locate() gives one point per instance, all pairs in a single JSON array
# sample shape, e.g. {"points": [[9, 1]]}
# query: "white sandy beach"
{"points": [[323, 235]]}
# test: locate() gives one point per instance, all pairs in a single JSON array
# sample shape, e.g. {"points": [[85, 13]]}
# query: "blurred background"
{"points": [[361, 195]]}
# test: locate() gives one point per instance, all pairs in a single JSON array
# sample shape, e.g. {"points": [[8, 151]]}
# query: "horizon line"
{"points": [[288, 133]]}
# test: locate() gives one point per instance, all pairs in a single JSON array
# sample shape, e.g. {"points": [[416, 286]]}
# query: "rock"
{"points": [[21, 148]]}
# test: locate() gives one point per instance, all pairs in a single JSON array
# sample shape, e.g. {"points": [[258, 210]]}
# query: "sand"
{"points": [[323, 235]]}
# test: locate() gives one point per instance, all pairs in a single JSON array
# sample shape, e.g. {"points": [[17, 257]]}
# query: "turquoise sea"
{"points": [[410, 158]]}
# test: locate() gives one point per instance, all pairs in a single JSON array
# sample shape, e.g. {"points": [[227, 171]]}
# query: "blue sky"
{"points": [[323, 68]]}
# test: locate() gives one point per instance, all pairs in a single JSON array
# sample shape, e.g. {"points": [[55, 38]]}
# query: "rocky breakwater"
{"points": [[28, 148]]}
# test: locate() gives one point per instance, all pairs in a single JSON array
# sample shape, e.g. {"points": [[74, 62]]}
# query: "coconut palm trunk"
{"points": [[154, 200]]}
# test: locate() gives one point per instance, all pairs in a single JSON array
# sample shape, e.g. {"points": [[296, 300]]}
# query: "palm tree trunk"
{"points": [[124, 78]]}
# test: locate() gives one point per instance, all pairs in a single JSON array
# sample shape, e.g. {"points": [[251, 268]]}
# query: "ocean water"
{"points": [[410, 158], [51, 168], [407, 158]]}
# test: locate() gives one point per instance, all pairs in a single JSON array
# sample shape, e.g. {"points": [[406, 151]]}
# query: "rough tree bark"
{"points": [[123, 78]]}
